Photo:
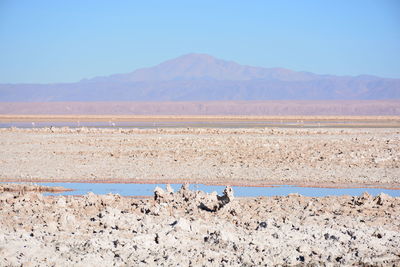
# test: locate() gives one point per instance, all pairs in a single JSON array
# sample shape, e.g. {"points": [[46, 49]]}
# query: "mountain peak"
{"points": [[197, 66], [191, 61]]}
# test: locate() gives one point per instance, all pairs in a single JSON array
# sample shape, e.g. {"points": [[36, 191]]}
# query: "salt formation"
{"points": [[194, 228]]}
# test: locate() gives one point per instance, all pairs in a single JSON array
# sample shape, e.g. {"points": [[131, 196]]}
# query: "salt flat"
{"points": [[202, 155], [192, 227]]}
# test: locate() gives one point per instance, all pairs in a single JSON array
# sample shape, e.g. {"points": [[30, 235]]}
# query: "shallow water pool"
{"points": [[240, 191], [200, 124]]}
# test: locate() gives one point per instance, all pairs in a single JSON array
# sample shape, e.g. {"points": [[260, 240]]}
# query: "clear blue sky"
{"points": [[65, 41]]}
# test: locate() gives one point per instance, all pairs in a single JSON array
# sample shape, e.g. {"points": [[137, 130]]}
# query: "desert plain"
{"points": [[191, 227], [326, 152]]}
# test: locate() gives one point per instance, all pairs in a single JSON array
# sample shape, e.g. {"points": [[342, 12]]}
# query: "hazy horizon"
{"points": [[201, 77], [205, 55]]}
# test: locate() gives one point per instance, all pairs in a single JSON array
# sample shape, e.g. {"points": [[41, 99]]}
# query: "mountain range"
{"points": [[201, 77]]}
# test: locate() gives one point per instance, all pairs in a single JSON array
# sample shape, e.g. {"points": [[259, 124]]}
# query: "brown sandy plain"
{"points": [[227, 108], [374, 121]]}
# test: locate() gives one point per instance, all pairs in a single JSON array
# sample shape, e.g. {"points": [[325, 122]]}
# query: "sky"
{"points": [[47, 41]]}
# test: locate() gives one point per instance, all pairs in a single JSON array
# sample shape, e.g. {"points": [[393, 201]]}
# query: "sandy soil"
{"points": [[22, 188], [195, 229], [226, 108], [199, 155]]}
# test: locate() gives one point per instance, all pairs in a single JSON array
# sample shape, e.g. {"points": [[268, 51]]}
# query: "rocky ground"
{"points": [[202, 155], [191, 228]]}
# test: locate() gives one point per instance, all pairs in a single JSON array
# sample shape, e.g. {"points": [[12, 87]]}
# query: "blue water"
{"points": [[147, 124], [193, 124], [240, 191]]}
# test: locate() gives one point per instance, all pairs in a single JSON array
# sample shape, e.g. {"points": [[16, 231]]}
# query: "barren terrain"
{"points": [[192, 228], [205, 108], [202, 155], [195, 229]]}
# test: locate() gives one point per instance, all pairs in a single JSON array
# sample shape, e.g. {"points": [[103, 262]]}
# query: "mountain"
{"points": [[200, 77], [205, 67]]}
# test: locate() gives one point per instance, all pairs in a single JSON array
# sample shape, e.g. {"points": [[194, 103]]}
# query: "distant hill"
{"points": [[200, 77]]}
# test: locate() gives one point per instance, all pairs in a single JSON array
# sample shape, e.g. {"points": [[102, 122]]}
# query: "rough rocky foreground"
{"points": [[192, 228], [202, 155]]}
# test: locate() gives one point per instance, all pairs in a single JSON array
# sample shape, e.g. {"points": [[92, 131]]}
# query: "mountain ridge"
{"points": [[201, 77], [217, 69]]}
